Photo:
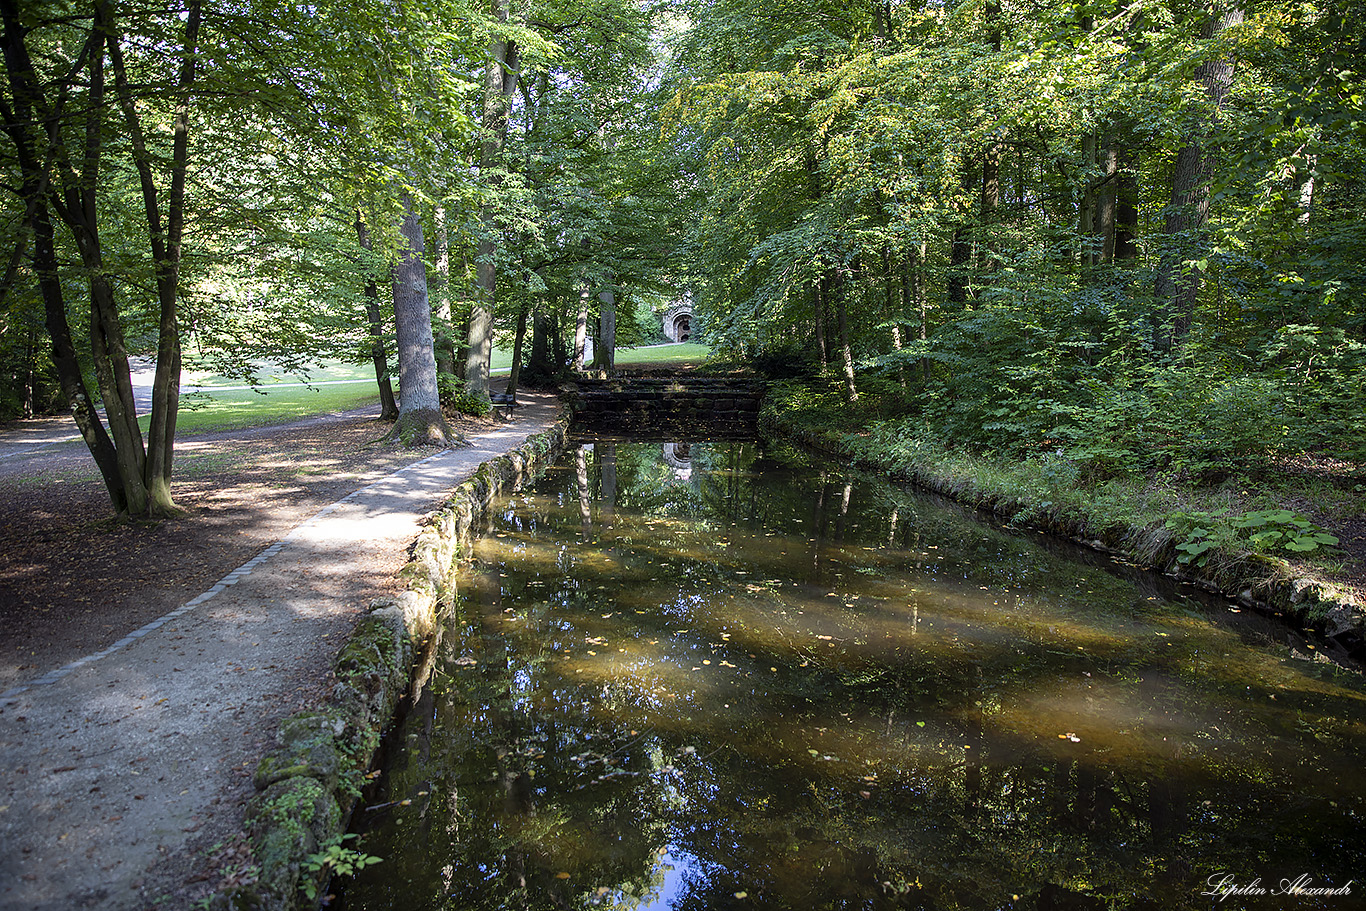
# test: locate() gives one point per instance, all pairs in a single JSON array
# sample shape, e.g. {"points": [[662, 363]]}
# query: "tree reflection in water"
{"points": [[766, 684]]}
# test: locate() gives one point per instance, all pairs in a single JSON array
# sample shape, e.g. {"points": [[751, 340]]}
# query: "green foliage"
{"points": [[455, 395], [1266, 530], [844, 166], [1283, 529], [333, 859]]}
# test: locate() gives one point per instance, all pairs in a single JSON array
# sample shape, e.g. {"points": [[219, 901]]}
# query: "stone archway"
{"points": [[678, 325]]}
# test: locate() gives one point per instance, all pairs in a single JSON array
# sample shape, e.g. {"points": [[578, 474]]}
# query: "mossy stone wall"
{"points": [[309, 784]]}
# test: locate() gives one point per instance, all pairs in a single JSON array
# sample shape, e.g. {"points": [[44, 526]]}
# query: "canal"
{"points": [[728, 676]]}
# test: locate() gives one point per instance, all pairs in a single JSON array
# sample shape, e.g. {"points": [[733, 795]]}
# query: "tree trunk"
{"points": [[441, 300], [388, 408], [1106, 201], [144, 473], [515, 374], [581, 328], [607, 320], [894, 312], [542, 367], [1087, 215], [1306, 175], [913, 296], [846, 352], [818, 308], [991, 201], [479, 350], [34, 174], [109, 353], [166, 249], [1126, 207], [500, 82], [420, 421], [68, 366], [166, 381], [1178, 287]]}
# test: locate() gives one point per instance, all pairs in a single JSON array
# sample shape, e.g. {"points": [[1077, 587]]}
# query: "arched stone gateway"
{"points": [[678, 456], [678, 322]]}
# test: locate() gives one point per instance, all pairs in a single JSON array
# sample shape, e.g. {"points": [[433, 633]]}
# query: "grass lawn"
{"points": [[224, 403], [230, 409], [269, 375], [663, 355]]}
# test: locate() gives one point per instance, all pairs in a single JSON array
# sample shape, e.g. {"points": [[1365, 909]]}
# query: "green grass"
{"points": [[269, 374], [234, 409], [663, 355], [654, 355]]}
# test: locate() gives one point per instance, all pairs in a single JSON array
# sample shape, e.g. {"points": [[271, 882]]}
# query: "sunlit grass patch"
{"points": [[237, 408], [663, 355], [268, 374]]}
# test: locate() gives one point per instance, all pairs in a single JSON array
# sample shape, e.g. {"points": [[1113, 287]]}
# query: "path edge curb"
{"points": [[308, 785]]}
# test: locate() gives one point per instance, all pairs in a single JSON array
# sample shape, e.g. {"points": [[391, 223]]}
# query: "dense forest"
{"points": [[1123, 235]]}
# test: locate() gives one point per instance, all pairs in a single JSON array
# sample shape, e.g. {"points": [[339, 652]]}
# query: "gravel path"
{"points": [[116, 768]]}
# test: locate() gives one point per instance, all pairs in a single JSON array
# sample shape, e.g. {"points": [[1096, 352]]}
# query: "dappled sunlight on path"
{"points": [[127, 758]]}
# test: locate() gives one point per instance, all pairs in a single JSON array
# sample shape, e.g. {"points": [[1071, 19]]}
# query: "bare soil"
{"points": [[74, 580]]}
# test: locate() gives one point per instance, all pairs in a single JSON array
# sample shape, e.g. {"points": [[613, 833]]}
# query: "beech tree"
{"points": [[419, 411], [61, 125]]}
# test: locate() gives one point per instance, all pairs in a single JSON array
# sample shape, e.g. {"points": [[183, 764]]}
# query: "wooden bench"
{"points": [[505, 402]]}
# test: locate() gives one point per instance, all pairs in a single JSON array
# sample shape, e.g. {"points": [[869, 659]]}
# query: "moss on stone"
{"points": [[307, 747], [288, 821], [312, 780]]}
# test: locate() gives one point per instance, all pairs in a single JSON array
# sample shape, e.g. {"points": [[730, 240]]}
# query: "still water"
{"points": [[715, 676]]}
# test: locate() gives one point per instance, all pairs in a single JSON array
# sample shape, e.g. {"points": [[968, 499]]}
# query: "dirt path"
{"points": [[124, 767]]}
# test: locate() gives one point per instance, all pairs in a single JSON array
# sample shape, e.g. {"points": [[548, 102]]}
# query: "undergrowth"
{"points": [[1231, 524]]}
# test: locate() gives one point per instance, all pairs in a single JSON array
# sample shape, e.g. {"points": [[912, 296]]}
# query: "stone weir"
{"points": [[685, 406]]}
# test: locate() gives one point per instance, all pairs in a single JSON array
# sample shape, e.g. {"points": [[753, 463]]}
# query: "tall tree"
{"points": [[1178, 282], [56, 179], [420, 421], [500, 82]]}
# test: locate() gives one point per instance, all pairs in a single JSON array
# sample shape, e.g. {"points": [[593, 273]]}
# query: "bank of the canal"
{"points": [[308, 785], [689, 676], [1058, 506]]}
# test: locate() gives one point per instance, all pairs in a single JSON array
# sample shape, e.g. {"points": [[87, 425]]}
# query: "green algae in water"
{"points": [[700, 677]]}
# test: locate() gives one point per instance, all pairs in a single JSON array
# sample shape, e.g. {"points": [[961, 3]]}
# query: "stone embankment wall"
{"points": [[309, 784], [705, 407]]}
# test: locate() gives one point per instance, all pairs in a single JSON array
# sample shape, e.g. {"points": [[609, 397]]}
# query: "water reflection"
{"points": [[768, 685]]}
